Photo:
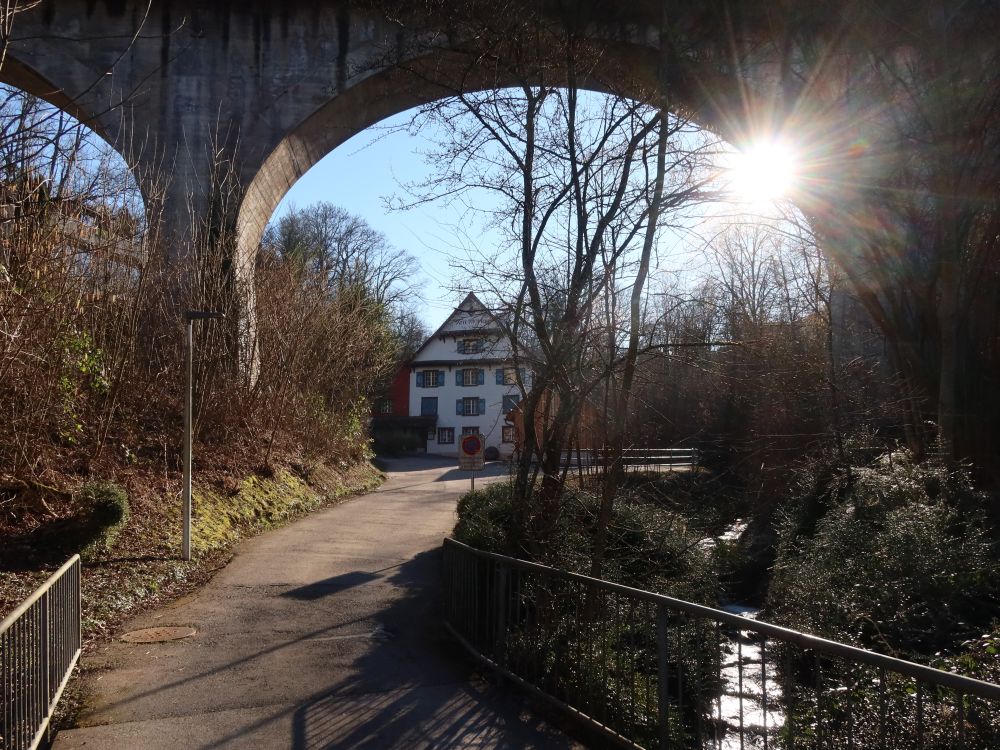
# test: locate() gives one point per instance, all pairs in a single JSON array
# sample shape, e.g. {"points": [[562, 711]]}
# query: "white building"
{"points": [[464, 375]]}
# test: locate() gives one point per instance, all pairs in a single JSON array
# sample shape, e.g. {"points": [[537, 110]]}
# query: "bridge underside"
{"points": [[235, 101], [262, 91]]}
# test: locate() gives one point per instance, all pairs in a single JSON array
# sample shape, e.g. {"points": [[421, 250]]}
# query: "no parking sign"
{"points": [[470, 453]]}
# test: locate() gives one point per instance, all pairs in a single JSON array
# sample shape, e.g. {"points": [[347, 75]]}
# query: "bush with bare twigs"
{"points": [[91, 333]]}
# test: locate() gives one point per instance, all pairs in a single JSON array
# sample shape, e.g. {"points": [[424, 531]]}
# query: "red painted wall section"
{"points": [[399, 392]]}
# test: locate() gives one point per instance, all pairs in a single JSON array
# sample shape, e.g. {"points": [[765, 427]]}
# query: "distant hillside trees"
{"points": [[761, 360], [339, 251]]}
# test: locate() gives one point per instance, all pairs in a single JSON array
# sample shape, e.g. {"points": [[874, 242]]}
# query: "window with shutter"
{"points": [[470, 377]]}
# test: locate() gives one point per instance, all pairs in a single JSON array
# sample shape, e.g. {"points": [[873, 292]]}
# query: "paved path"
{"points": [[323, 634]]}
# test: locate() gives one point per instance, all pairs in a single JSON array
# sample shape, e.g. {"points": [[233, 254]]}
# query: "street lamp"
{"points": [[189, 317]]}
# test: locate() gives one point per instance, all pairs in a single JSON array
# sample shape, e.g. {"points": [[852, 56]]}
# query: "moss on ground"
{"points": [[221, 519], [140, 568]]}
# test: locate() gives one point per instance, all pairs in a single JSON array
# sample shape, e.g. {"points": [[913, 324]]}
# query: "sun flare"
{"points": [[762, 174]]}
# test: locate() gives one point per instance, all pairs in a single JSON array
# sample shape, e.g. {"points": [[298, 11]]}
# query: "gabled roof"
{"points": [[470, 317]]}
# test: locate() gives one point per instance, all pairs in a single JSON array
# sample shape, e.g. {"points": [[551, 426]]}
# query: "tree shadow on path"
{"points": [[413, 688]]}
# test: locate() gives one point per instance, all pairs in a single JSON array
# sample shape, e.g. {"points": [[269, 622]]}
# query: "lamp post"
{"points": [[189, 317]]}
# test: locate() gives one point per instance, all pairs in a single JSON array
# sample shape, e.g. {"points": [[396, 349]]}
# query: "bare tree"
{"points": [[345, 250], [577, 185], [746, 266]]}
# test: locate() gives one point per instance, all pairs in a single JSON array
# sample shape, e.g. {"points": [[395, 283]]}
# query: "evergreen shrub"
{"points": [[106, 511], [891, 556], [649, 546]]}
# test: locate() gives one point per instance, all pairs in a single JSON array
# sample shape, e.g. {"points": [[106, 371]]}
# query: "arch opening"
{"points": [[63, 177], [365, 172], [700, 259], [380, 94]]}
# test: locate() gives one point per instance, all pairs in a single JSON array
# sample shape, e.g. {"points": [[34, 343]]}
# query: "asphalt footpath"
{"points": [[324, 634]]}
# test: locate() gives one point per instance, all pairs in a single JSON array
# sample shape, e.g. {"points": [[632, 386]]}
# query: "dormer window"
{"points": [[471, 345]]}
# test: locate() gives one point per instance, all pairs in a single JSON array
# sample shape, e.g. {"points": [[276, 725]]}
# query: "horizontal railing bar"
{"points": [[804, 640], [644, 451], [24, 606]]}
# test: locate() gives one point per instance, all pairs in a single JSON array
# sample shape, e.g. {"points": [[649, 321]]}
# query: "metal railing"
{"points": [[39, 646], [658, 460], [650, 671]]}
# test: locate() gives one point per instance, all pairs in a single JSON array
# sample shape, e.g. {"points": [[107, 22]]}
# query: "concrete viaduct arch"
{"points": [[275, 85], [271, 86]]}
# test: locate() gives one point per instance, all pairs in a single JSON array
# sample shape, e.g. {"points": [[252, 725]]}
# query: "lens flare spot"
{"points": [[763, 173]]}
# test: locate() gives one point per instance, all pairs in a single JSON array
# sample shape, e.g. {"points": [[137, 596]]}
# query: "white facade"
{"points": [[465, 374]]}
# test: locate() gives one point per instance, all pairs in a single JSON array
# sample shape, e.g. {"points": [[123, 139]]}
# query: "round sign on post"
{"points": [[470, 453]]}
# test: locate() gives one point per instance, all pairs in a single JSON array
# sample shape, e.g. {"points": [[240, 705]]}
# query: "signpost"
{"points": [[189, 317], [470, 455]]}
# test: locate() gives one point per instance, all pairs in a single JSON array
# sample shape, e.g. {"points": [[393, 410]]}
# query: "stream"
{"points": [[741, 708], [742, 701]]}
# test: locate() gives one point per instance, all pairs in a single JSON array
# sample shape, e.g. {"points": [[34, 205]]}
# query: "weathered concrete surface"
{"points": [[267, 88], [323, 634]]}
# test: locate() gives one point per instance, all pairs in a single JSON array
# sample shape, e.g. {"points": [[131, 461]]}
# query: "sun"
{"points": [[763, 173]]}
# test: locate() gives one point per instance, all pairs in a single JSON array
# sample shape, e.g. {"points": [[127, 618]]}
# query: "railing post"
{"points": [[501, 604], [663, 674], [46, 658]]}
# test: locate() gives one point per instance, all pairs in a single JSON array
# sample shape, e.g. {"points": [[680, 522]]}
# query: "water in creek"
{"points": [[745, 710], [744, 707]]}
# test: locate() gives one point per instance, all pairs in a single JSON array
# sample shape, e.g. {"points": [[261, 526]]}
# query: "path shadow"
{"points": [[492, 469], [412, 686], [433, 697], [319, 589]]}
